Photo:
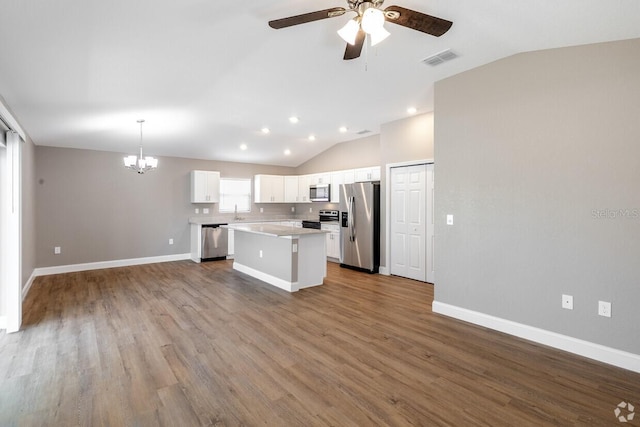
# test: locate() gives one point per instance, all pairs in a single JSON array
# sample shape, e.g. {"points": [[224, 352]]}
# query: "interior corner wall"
{"points": [[537, 157]]}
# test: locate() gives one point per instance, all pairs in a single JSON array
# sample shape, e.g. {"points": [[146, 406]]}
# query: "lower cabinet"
{"points": [[333, 240]]}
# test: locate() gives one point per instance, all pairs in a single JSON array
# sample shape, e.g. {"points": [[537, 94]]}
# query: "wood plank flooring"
{"points": [[185, 344]]}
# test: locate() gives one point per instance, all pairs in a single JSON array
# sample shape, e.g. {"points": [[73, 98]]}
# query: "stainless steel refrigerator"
{"points": [[360, 226]]}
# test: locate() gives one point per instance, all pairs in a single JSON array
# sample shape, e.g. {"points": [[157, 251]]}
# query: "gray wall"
{"points": [[537, 156], [96, 210], [362, 152], [402, 141]]}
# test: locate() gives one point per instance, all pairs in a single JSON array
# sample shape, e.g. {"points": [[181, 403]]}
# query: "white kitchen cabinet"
{"points": [[303, 188], [320, 178], [337, 178], [349, 176], [230, 245], [205, 186], [367, 174], [333, 240], [268, 189], [291, 190]]}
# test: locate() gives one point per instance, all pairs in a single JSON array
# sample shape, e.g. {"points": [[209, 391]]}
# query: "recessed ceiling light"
{"points": [[312, 137], [287, 152], [412, 110], [294, 119], [243, 147], [343, 129], [265, 130]]}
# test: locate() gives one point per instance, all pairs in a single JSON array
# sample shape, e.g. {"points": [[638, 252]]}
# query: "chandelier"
{"points": [[140, 163]]}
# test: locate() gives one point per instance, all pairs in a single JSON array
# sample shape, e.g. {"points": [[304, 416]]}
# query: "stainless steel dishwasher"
{"points": [[214, 244]]}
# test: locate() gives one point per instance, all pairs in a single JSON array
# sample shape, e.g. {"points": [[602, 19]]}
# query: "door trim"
{"points": [[386, 270]]}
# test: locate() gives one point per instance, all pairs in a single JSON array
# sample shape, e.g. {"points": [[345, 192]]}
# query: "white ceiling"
{"points": [[208, 75]]}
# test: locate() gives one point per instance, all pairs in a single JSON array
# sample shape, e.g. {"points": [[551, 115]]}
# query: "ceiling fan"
{"points": [[369, 20]]}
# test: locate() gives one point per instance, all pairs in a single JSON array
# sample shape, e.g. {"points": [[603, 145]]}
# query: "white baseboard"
{"points": [[27, 286], [611, 356], [3, 322], [60, 269], [384, 271], [272, 280]]}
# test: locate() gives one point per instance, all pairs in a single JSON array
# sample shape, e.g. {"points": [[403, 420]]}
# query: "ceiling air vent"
{"points": [[362, 132], [440, 57]]}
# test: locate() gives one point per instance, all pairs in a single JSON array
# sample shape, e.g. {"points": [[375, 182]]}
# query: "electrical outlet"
{"points": [[57, 250], [604, 308], [293, 208], [261, 210], [310, 210], [260, 253], [567, 302], [171, 241], [449, 219], [197, 210]]}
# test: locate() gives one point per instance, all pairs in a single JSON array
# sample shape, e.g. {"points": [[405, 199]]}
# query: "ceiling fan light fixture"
{"points": [[379, 35], [372, 20], [349, 32]]}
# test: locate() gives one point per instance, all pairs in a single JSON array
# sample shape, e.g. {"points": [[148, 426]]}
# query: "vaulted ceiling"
{"points": [[207, 76]]}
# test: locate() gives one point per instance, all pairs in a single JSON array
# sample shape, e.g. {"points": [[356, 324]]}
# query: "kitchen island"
{"points": [[289, 258]]}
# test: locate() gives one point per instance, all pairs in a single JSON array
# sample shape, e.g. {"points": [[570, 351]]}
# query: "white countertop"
{"points": [[274, 229], [202, 220]]}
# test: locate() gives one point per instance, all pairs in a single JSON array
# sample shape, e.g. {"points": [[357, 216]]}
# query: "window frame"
{"points": [[222, 208]]}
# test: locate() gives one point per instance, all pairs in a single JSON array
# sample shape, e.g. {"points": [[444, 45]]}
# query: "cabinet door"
{"points": [[268, 189], [291, 189], [303, 189], [213, 186], [277, 189], [198, 187], [337, 178], [349, 176], [205, 187]]}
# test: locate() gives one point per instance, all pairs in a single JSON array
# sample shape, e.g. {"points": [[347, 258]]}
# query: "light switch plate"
{"points": [[171, 241], [449, 219], [567, 302], [57, 250]]}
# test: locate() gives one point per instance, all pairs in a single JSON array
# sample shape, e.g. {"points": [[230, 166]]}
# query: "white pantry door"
{"points": [[409, 222]]}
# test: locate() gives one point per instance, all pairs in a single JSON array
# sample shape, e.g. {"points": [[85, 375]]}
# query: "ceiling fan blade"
{"points": [[307, 17], [353, 51], [417, 20]]}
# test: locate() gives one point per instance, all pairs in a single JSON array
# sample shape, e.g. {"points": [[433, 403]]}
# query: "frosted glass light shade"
{"points": [[378, 35], [130, 161], [349, 31], [372, 20]]}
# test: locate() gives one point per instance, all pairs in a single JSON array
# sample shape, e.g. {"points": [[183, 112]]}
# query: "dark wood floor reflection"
{"points": [[184, 344]]}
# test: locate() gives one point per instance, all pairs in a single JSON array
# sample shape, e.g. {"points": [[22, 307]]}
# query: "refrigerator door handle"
{"points": [[352, 219]]}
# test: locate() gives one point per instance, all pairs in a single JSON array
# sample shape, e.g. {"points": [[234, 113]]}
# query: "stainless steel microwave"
{"points": [[320, 193]]}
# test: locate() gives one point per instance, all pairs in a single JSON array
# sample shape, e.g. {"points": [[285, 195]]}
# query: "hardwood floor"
{"points": [[184, 344]]}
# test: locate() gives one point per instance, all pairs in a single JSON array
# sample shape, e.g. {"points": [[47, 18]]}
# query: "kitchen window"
{"points": [[235, 195]]}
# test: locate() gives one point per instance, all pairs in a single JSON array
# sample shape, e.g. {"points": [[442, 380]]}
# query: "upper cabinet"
{"points": [[295, 189], [319, 178], [205, 187], [269, 189], [337, 178], [304, 181], [367, 174], [291, 189]]}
